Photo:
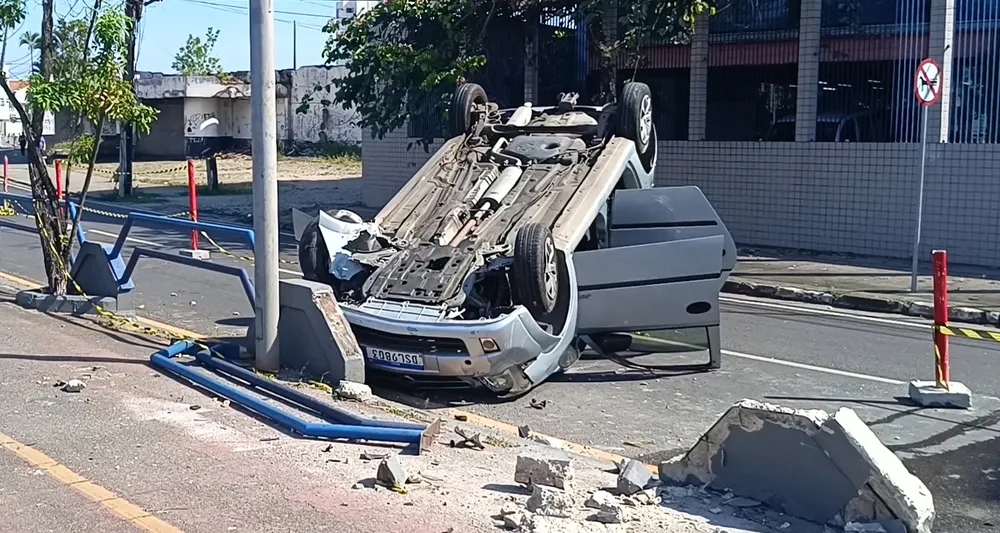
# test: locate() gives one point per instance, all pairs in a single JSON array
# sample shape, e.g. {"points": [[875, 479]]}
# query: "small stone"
{"points": [[514, 520], [548, 501], [193, 302], [550, 468], [391, 472], [617, 515], [236, 313], [785, 525], [353, 391], [195, 407], [602, 500], [858, 527], [743, 502], [74, 385], [715, 510], [633, 478], [173, 294]]}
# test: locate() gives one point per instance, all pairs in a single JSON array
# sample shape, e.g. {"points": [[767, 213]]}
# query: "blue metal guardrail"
{"points": [[162, 221], [138, 253], [339, 424]]}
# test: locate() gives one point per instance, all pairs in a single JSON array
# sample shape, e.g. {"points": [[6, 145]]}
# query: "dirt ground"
{"points": [[306, 183]]}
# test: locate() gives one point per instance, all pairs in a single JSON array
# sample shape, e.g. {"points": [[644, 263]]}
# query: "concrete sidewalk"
{"points": [[869, 284], [138, 450]]}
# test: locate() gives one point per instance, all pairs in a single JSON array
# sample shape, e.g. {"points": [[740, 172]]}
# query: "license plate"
{"points": [[378, 356]]}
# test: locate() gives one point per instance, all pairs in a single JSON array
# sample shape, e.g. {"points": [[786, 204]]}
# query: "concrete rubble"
{"points": [[634, 477], [826, 469], [391, 473], [552, 468], [549, 501]]}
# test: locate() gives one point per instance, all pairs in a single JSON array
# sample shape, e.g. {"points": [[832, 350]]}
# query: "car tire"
{"points": [[466, 96], [635, 121], [314, 259], [536, 270]]}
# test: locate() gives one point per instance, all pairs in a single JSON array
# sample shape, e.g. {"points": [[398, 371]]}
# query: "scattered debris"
{"points": [[268, 439], [680, 492], [328, 448], [343, 460], [59, 383], [549, 501], [538, 404], [857, 527], [468, 441], [73, 385], [618, 515], [493, 440], [350, 390], [638, 443], [715, 510], [194, 407], [173, 294], [602, 500], [391, 473], [365, 456], [462, 417], [549, 467], [523, 431], [193, 303], [515, 521], [634, 477]]}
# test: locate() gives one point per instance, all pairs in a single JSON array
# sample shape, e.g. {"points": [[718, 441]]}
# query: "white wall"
{"points": [[332, 122]]}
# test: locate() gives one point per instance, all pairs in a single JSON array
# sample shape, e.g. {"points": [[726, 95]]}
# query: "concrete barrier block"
{"points": [[928, 394], [314, 335], [805, 463], [97, 274], [73, 304]]}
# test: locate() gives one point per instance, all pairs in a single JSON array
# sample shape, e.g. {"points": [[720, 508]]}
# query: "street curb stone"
{"points": [[71, 304], [859, 301]]}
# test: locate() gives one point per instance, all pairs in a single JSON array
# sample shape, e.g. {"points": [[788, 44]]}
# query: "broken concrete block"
{"points": [[550, 467], [803, 463], [857, 527], [634, 477], [676, 493], [391, 472], [602, 500], [353, 391], [548, 501], [513, 520], [928, 394], [905, 496], [74, 385]]}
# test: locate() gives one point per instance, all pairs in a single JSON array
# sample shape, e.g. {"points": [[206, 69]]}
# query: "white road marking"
{"points": [[814, 368], [824, 312], [115, 236]]}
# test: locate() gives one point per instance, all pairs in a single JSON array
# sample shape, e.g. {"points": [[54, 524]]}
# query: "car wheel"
{"points": [[314, 259], [536, 269], [463, 119], [635, 121]]}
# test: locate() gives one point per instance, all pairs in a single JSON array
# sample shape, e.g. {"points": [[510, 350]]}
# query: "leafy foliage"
{"points": [[69, 42], [195, 57], [404, 57]]}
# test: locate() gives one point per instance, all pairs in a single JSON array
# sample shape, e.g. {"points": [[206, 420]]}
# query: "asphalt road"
{"points": [[795, 355]]}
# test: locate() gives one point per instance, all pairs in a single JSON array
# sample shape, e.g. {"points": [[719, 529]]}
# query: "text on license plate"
{"points": [[378, 356]]}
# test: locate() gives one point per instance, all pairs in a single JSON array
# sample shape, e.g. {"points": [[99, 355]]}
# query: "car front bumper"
{"points": [[452, 348]]}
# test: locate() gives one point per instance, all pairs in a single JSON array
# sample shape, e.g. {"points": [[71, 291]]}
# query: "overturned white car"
{"points": [[532, 232]]}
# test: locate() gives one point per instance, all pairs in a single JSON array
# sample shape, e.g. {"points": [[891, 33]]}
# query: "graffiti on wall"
{"points": [[199, 121]]}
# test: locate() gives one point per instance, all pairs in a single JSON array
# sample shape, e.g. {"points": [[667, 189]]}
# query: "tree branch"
{"points": [[86, 181]]}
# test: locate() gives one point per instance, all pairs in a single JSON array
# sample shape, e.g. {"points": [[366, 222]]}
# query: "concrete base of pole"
{"points": [[197, 254], [928, 394]]}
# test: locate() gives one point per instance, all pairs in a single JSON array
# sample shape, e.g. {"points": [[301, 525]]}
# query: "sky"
{"points": [[166, 25]]}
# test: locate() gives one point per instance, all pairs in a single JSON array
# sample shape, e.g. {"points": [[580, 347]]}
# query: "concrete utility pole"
{"points": [[263, 129], [126, 132]]}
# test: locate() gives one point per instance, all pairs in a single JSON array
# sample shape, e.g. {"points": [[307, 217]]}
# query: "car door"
{"points": [[669, 255]]}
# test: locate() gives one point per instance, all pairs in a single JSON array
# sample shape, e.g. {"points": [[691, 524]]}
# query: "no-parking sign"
{"points": [[927, 82]]}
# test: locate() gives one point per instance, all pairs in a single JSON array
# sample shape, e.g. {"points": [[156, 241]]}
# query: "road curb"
{"points": [[859, 301]]}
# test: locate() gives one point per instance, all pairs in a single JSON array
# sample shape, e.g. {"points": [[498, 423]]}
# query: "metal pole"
{"points": [[295, 45], [920, 207], [263, 129]]}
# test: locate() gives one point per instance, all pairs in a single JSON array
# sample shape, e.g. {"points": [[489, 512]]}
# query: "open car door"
{"points": [[655, 288]]}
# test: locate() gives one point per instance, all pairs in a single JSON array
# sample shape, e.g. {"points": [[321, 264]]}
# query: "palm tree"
{"points": [[33, 41]]}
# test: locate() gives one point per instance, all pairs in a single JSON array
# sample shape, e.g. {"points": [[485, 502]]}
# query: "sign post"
{"points": [[927, 88]]}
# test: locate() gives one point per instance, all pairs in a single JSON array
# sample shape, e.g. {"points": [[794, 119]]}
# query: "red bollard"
{"points": [[942, 374], [59, 182], [193, 196]]}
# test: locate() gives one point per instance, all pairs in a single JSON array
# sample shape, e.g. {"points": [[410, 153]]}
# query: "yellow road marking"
{"points": [[498, 425], [121, 507]]}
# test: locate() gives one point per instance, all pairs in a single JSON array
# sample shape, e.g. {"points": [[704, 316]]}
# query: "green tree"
{"points": [[99, 94], [404, 58], [195, 57], [34, 42]]}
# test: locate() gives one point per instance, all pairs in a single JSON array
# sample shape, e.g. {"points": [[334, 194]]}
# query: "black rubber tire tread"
{"points": [[629, 117], [466, 95], [313, 257], [529, 269]]}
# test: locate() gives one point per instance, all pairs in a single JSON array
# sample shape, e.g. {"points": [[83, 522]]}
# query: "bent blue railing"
{"points": [[138, 253], [163, 222]]}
